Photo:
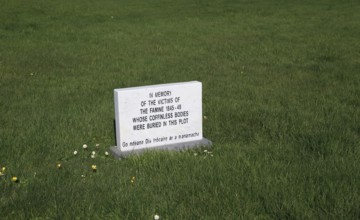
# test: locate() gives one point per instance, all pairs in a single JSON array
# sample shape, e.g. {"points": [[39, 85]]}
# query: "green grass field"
{"points": [[281, 88]]}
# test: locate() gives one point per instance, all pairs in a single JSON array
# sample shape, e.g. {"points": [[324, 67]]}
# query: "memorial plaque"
{"points": [[167, 116]]}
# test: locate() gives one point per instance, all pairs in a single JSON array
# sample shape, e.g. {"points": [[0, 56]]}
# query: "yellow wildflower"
{"points": [[132, 179]]}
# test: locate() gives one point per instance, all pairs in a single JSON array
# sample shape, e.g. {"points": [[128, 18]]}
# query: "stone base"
{"points": [[178, 147]]}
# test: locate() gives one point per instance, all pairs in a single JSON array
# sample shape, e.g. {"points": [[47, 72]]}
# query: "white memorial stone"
{"points": [[166, 116]]}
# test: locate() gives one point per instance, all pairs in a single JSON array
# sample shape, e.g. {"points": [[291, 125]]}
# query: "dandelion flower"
{"points": [[93, 153], [85, 146], [59, 165], [205, 151], [92, 156], [132, 179], [94, 168], [75, 153], [106, 153], [14, 179], [97, 145], [3, 169], [156, 217]]}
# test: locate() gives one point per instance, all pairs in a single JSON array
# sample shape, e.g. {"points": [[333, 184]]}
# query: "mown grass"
{"points": [[280, 92]]}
